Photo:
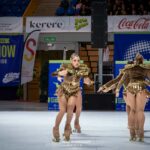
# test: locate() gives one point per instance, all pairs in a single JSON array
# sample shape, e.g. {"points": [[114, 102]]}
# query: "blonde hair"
{"points": [[74, 55]]}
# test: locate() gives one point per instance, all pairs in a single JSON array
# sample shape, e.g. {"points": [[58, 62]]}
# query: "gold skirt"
{"points": [[68, 89], [135, 87]]}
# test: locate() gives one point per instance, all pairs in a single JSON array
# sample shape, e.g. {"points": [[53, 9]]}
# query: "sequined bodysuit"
{"points": [[71, 83], [137, 75]]}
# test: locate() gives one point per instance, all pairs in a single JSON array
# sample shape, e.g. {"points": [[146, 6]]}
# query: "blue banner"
{"points": [[53, 83], [11, 51], [126, 48], [127, 45], [120, 103], [52, 86]]}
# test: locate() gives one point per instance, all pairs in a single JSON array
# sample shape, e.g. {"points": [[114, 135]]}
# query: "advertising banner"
{"points": [[52, 85], [129, 23], [80, 24], [11, 51], [126, 48], [11, 25], [59, 24], [127, 45], [29, 54]]}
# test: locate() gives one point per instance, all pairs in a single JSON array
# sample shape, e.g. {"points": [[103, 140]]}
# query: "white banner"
{"points": [[11, 25], [30, 48], [129, 23], [83, 24], [58, 24], [47, 24]]}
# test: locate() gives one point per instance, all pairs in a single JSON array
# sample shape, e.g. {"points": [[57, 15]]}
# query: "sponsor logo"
{"points": [[140, 23], [10, 77], [80, 23], [59, 24]]}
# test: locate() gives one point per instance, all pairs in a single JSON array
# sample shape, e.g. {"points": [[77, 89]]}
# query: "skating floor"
{"points": [[101, 130]]}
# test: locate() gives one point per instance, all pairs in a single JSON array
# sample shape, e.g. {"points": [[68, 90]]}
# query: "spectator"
{"points": [[60, 11], [114, 7], [86, 2], [64, 4], [85, 11], [123, 10], [148, 7], [78, 7], [145, 12], [73, 3], [133, 9], [128, 7], [71, 11]]}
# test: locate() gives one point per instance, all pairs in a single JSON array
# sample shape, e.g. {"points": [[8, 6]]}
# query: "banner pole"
{"points": [[100, 66]]}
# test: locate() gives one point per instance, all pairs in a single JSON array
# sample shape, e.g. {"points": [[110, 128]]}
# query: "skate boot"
{"points": [[67, 133], [132, 135], [70, 130], [141, 135], [56, 134], [77, 127]]}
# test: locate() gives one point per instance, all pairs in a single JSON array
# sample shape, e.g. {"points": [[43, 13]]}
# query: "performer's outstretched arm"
{"points": [[111, 84]]}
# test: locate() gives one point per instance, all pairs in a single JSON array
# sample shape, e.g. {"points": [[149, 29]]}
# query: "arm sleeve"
{"points": [[113, 82], [62, 67], [84, 71], [121, 81], [148, 74]]}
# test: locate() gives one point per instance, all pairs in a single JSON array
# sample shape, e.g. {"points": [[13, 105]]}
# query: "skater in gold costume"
{"points": [[69, 94], [135, 77]]}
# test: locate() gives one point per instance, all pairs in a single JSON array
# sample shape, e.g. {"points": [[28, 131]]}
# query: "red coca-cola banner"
{"points": [[128, 23]]}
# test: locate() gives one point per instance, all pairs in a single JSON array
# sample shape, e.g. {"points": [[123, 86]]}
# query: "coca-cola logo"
{"points": [[140, 23], [59, 24]]}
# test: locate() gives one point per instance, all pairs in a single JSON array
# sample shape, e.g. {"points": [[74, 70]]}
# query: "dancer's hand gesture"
{"points": [[63, 72], [101, 89]]}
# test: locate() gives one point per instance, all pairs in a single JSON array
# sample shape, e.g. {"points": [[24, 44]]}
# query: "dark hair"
{"points": [[139, 58], [130, 62]]}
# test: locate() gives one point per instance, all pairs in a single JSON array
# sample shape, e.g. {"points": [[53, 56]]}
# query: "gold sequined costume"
{"points": [[134, 77], [71, 84], [112, 84], [137, 75], [122, 80]]}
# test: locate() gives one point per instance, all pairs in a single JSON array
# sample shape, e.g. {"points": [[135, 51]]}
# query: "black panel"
{"points": [[99, 101], [99, 24]]}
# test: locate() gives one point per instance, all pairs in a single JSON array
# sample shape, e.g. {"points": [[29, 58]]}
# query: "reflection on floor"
{"points": [[32, 130], [20, 105]]}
